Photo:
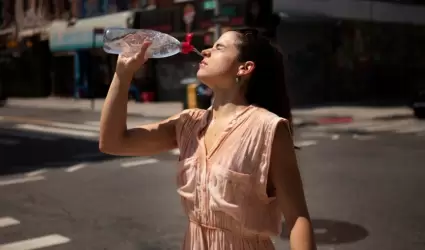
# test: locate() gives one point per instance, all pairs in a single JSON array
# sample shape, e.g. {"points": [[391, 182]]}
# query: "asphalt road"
{"points": [[58, 192]]}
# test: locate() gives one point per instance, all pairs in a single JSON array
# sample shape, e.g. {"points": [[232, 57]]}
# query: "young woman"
{"points": [[237, 172]]}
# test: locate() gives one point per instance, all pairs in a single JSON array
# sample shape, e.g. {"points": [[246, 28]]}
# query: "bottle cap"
{"points": [[187, 47]]}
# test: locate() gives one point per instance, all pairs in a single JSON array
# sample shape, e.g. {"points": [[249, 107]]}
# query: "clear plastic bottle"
{"points": [[129, 41]]}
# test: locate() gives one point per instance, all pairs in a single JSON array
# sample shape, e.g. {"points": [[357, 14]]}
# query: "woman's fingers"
{"points": [[141, 55]]}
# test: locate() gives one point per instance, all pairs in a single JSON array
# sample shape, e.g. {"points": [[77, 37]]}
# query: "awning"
{"points": [[65, 37]]}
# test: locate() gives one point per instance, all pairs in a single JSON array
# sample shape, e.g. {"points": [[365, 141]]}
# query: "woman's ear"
{"points": [[246, 68]]}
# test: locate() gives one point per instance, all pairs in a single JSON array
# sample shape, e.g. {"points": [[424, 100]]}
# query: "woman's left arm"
{"points": [[286, 180]]}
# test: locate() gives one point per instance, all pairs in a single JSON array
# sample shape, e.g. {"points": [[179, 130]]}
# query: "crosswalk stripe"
{"points": [[53, 130], [305, 143], [8, 221], [138, 163], [36, 172], [36, 243], [20, 180], [76, 167]]}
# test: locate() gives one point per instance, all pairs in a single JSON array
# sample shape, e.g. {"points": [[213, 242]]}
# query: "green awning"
{"points": [[65, 37]]}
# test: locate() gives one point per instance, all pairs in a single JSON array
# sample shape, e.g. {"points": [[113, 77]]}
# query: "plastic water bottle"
{"points": [[129, 41]]}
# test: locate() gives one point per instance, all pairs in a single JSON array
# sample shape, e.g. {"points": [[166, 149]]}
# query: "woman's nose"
{"points": [[206, 53]]}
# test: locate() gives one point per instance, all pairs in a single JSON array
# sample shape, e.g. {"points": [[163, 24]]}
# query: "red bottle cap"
{"points": [[187, 47]]}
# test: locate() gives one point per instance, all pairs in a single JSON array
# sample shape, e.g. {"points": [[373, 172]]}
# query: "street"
{"points": [[57, 191]]}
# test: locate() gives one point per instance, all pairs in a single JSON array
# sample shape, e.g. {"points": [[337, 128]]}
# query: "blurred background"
{"points": [[356, 79]]}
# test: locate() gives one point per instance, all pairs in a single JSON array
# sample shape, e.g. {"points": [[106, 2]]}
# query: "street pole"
{"points": [[90, 78], [217, 13]]}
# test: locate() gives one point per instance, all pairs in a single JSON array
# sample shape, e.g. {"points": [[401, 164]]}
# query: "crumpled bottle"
{"points": [[129, 41]]}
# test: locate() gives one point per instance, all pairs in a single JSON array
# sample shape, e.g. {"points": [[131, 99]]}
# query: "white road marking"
{"points": [[20, 181], [36, 172], [9, 142], [175, 151], [61, 131], [76, 167], [8, 221], [335, 137], [130, 164], [36, 243], [305, 143], [314, 134]]}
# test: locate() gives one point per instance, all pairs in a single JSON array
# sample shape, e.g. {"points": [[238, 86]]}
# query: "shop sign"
{"points": [[231, 15]]}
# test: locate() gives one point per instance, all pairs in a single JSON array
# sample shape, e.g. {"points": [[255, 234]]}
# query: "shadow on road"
{"points": [[35, 151], [334, 232]]}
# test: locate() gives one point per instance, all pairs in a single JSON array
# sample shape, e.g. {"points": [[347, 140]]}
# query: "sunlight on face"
{"points": [[220, 64]]}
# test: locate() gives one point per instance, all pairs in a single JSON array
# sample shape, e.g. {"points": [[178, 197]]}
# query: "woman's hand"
{"points": [[127, 65]]}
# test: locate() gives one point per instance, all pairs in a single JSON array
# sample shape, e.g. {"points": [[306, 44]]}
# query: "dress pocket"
{"points": [[186, 178], [229, 191]]}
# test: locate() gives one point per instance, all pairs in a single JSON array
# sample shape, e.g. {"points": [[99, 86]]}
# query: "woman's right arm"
{"points": [[114, 136]]}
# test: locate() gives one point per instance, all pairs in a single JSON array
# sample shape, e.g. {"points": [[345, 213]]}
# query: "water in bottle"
{"points": [[129, 41]]}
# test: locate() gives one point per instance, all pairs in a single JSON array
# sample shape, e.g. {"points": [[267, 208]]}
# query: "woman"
{"points": [[237, 171]]}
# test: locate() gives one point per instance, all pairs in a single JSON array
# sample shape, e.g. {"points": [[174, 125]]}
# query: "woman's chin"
{"points": [[201, 75]]}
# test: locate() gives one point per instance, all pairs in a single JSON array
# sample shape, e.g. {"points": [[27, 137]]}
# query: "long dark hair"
{"points": [[266, 86]]}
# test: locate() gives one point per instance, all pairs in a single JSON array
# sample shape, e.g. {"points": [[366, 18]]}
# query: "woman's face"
{"points": [[220, 64]]}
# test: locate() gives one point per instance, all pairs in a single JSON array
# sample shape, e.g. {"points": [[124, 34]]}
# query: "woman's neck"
{"points": [[227, 103]]}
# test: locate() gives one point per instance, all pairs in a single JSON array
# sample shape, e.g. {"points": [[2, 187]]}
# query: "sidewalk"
{"points": [[306, 116], [153, 110], [343, 114]]}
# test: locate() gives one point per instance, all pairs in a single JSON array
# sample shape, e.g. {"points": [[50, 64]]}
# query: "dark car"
{"points": [[418, 105]]}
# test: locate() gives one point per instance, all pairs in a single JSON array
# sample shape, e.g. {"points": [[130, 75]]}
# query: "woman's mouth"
{"points": [[202, 63]]}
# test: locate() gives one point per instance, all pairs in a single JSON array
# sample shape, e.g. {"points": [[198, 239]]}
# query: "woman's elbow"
{"points": [[108, 146], [105, 147]]}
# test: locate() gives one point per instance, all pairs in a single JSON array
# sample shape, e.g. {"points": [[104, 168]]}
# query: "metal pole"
{"points": [[217, 13], [90, 78]]}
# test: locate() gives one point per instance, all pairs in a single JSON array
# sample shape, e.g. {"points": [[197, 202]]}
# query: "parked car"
{"points": [[418, 105]]}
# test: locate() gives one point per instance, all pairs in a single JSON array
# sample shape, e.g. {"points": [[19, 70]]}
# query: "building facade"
{"points": [[56, 42], [349, 51]]}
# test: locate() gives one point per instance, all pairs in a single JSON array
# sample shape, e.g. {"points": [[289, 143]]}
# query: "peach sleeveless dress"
{"points": [[224, 193]]}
